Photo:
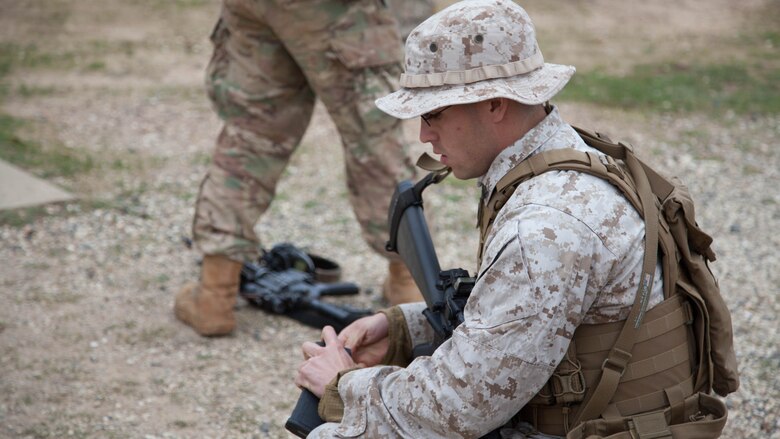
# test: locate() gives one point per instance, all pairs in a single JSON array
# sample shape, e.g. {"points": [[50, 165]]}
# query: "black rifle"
{"points": [[283, 282], [305, 416], [445, 292]]}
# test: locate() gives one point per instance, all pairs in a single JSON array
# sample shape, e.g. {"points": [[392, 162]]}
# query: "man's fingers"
{"points": [[329, 336], [310, 349], [299, 379], [351, 340]]}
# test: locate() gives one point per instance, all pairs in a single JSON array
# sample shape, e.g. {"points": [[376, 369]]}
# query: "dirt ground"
{"points": [[89, 346]]}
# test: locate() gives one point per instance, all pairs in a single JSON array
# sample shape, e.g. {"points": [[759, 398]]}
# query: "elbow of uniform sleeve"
{"points": [[399, 352]]}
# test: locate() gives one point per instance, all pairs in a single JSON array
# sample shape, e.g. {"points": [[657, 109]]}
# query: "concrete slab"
{"points": [[21, 189]]}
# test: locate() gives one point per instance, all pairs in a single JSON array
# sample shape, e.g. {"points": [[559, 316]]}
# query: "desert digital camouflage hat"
{"points": [[472, 51]]}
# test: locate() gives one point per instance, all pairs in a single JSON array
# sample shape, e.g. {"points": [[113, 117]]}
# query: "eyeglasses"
{"points": [[427, 117]]}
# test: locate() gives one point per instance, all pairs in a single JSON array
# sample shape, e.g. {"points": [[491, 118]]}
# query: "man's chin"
{"points": [[460, 174]]}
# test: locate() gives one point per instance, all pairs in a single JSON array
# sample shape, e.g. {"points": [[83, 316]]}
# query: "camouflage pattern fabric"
{"points": [[566, 249], [271, 60], [410, 13]]}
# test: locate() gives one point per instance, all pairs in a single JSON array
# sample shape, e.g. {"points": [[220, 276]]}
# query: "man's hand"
{"points": [[367, 339], [322, 363]]}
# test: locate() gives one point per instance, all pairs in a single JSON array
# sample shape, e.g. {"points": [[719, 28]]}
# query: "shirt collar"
{"points": [[512, 155]]}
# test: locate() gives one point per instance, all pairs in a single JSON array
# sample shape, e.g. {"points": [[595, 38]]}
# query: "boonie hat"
{"points": [[473, 51]]}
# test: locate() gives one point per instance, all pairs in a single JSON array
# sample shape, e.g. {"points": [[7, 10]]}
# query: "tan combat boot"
{"points": [[399, 287], [208, 306]]}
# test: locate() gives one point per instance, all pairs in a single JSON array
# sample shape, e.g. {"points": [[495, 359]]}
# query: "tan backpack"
{"points": [[685, 250]]}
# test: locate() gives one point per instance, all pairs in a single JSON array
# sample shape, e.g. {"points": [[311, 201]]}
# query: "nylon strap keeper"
{"points": [[649, 426], [617, 360]]}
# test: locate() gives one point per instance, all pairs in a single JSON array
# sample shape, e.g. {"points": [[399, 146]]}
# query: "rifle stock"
{"points": [[414, 244]]}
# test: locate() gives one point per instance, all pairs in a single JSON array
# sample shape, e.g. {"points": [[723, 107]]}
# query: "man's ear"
{"points": [[498, 108]]}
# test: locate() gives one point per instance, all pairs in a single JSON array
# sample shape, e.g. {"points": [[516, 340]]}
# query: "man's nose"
{"points": [[427, 133]]}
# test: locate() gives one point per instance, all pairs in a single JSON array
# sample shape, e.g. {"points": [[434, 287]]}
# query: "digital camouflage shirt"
{"points": [[566, 249]]}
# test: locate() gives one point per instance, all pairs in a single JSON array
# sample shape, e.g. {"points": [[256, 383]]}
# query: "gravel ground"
{"points": [[89, 346]]}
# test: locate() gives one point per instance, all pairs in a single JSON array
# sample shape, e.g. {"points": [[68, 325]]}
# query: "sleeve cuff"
{"points": [[331, 407], [399, 352]]}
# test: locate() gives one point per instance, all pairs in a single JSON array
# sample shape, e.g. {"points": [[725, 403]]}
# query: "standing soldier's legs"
{"points": [[410, 13], [350, 53], [263, 98]]}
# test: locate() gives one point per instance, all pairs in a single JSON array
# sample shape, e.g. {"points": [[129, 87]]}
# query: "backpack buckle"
{"points": [[618, 362], [568, 387]]}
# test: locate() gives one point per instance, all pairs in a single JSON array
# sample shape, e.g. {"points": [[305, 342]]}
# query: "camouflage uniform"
{"points": [[271, 59], [410, 13], [566, 249]]}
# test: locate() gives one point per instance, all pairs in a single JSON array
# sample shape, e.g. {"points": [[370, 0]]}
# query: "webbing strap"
{"points": [[598, 397], [649, 366], [676, 313], [650, 426], [705, 417], [661, 187], [677, 408], [549, 419], [652, 401], [671, 260]]}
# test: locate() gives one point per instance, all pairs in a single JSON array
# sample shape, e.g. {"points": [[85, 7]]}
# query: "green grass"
{"points": [[45, 162], [36, 295], [672, 87], [177, 4], [6, 59], [123, 203], [28, 91], [14, 56], [179, 93], [52, 159], [56, 161], [20, 217], [86, 56]]}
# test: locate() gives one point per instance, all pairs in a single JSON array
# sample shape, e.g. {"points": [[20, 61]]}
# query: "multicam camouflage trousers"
{"points": [[271, 59]]}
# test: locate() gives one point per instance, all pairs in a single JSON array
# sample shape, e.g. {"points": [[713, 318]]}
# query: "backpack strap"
{"points": [[603, 166], [636, 185], [598, 397], [660, 186]]}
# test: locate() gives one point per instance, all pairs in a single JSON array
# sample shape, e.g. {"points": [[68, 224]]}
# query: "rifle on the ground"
{"points": [[283, 282]]}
